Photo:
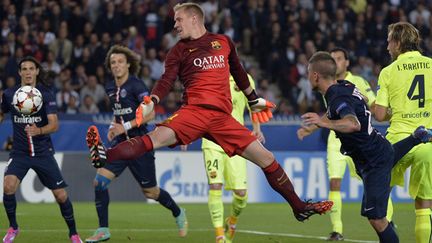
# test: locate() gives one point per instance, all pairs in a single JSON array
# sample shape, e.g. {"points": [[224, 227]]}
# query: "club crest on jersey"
{"points": [[123, 93], [216, 45], [213, 174]]}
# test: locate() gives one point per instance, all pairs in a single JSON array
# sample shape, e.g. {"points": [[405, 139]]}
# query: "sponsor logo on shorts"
{"points": [[368, 209]]}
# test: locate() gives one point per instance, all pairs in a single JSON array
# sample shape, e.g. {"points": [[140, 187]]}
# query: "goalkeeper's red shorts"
{"points": [[192, 122]]}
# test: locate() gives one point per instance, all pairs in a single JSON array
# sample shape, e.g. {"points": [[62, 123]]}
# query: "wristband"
{"points": [[155, 101], [252, 96], [127, 126]]}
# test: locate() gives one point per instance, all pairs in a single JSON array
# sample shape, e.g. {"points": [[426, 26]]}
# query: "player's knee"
{"points": [[240, 193], [60, 195], [215, 186], [335, 184], [151, 193], [379, 224], [101, 182], [9, 188], [10, 184]]}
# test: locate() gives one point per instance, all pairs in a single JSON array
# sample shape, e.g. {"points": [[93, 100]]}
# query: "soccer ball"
{"points": [[27, 100]]}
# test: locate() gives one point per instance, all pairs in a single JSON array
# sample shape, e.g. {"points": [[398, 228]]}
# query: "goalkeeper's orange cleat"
{"points": [[312, 208], [97, 149]]}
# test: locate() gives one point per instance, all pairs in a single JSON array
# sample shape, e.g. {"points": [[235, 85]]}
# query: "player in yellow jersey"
{"points": [[405, 98], [336, 161], [231, 172]]}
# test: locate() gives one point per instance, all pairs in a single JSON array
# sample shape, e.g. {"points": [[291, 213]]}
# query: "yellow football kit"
{"points": [[405, 87]]}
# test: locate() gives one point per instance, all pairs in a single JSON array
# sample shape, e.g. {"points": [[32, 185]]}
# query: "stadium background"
{"points": [[274, 40]]}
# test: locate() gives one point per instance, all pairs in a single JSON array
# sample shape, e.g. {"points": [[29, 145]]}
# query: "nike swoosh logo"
{"points": [[368, 209], [59, 182], [193, 49]]}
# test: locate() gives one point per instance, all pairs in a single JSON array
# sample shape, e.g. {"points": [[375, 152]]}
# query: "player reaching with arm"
{"points": [[405, 88], [32, 149], [126, 92], [336, 161], [203, 61], [373, 156]]}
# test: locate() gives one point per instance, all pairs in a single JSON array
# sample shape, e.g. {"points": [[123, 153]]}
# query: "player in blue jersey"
{"points": [[32, 149], [126, 92], [373, 156]]}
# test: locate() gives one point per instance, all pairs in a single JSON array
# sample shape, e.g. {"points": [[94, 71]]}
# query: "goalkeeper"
{"points": [[203, 61]]}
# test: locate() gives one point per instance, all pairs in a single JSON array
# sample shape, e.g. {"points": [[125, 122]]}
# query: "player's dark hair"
{"points": [[343, 50], [131, 58], [40, 78], [194, 8], [406, 34], [324, 64]]}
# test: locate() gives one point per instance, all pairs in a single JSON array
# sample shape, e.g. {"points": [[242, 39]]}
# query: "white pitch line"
{"points": [[299, 236], [200, 230]]}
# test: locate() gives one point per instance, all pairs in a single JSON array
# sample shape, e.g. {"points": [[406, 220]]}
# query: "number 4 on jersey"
{"points": [[417, 81]]}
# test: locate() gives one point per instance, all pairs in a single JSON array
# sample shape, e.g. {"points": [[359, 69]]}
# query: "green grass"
{"points": [[138, 222]]}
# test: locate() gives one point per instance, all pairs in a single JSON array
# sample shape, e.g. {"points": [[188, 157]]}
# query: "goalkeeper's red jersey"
{"points": [[203, 66]]}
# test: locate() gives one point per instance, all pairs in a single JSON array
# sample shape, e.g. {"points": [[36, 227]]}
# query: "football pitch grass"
{"points": [[259, 223]]}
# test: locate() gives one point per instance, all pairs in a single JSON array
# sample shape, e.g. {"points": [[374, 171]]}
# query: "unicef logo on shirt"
{"points": [[123, 93], [426, 114]]}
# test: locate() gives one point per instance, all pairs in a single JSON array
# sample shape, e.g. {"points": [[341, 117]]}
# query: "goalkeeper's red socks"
{"points": [[130, 149], [279, 181]]}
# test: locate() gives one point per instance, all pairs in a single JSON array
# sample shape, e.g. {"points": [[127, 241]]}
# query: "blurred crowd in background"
{"points": [[274, 38]]}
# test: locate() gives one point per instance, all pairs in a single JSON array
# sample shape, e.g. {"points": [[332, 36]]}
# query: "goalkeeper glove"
{"points": [[260, 108], [144, 109]]}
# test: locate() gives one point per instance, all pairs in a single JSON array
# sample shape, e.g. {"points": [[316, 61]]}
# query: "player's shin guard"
{"points": [[279, 181], [216, 208], [423, 225], [238, 204], [130, 149], [166, 200], [68, 215], [102, 200], [388, 235], [9, 203], [336, 211]]}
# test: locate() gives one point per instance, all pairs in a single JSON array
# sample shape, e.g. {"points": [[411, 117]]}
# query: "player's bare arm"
{"points": [[1, 117], [118, 129], [51, 127], [381, 113], [347, 124], [305, 131]]}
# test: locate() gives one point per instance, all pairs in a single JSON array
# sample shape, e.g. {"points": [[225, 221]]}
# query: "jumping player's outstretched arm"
{"points": [[347, 124]]}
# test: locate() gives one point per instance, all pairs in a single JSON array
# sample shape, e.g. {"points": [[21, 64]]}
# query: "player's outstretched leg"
{"points": [[280, 182], [182, 223], [10, 235], [97, 149], [101, 234]]}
